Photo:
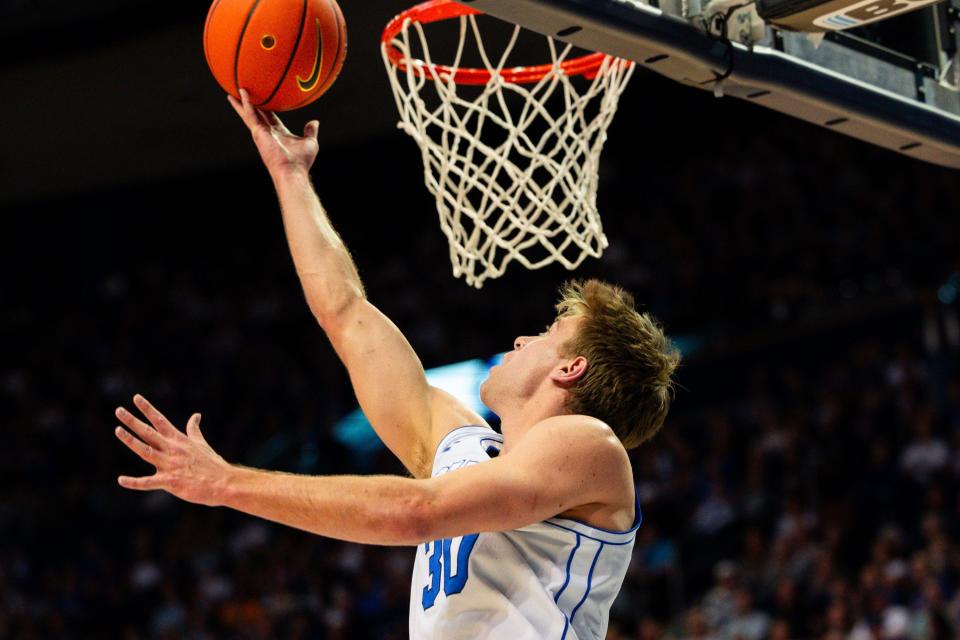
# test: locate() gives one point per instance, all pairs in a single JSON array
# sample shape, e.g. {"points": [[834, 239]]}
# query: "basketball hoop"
{"points": [[514, 177]]}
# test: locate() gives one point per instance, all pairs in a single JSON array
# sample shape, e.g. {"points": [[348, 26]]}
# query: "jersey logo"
{"points": [[311, 82], [491, 446], [456, 464]]}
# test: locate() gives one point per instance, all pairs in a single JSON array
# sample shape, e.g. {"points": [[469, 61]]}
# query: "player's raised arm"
{"points": [[386, 374]]}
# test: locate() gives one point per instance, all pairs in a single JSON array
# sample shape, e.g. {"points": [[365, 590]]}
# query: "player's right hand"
{"points": [[280, 149], [187, 467]]}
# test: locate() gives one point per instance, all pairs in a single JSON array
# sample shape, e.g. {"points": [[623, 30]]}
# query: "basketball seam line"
{"points": [[336, 56], [206, 28], [236, 57], [293, 54]]}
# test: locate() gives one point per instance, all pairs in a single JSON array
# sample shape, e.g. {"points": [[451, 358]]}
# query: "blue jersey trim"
{"points": [[589, 582], [599, 533], [560, 526], [594, 538], [566, 580], [567, 621]]}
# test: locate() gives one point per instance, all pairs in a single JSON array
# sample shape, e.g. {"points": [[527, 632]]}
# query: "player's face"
{"points": [[531, 362]]}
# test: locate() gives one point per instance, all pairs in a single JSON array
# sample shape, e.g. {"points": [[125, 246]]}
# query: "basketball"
{"points": [[285, 53]]}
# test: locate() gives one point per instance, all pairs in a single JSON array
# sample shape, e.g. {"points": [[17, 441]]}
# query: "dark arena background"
{"points": [[806, 484]]}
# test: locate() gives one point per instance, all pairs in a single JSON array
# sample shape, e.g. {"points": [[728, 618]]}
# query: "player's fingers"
{"points": [[156, 418], [311, 130], [146, 483], [147, 433], [237, 107], [276, 121], [250, 115], [193, 426], [139, 447], [252, 112], [264, 120]]}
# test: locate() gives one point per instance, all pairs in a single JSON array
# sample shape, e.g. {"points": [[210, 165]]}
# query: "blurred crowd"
{"points": [[807, 484], [820, 502]]}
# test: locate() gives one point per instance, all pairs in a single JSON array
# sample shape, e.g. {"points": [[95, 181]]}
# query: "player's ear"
{"points": [[568, 373]]}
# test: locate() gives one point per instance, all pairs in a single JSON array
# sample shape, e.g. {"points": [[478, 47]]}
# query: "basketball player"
{"points": [[522, 535]]}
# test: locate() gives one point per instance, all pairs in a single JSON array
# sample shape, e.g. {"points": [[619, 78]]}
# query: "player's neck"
{"points": [[517, 420]]}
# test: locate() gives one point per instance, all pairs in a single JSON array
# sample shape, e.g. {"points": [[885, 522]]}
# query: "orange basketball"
{"points": [[285, 53]]}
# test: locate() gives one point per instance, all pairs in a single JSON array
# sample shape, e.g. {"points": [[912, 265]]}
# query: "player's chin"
{"points": [[485, 387]]}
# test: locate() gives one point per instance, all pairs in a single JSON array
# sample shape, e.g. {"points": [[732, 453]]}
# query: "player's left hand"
{"points": [[280, 149], [187, 466]]}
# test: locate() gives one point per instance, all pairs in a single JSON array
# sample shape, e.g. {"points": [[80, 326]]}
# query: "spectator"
{"points": [[720, 604], [748, 623], [926, 454]]}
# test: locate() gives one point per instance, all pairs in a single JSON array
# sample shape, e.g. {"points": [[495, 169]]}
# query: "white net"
{"points": [[513, 166]]}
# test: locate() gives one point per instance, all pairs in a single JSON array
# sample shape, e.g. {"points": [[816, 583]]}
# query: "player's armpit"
{"points": [[448, 414], [562, 463]]}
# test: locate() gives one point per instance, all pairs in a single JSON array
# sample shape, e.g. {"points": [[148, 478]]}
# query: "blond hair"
{"points": [[630, 362]]}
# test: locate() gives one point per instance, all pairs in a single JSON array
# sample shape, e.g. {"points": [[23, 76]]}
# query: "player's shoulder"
{"points": [[580, 427], [582, 434], [587, 448]]}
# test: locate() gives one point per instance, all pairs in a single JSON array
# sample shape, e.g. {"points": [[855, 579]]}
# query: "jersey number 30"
{"points": [[452, 584]]}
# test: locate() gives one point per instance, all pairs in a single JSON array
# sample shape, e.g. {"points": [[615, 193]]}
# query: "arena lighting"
{"points": [[462, 380], [947, 294]]}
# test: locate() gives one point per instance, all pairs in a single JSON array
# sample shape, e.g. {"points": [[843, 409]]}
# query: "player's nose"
{"points": [[520, 342]]}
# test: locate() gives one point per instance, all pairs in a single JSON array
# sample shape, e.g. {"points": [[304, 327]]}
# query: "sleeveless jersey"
{"points": [[553, 579]]}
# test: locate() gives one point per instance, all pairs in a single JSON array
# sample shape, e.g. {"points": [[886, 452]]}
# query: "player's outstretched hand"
{"points": [[186, 465], [280, 149]]}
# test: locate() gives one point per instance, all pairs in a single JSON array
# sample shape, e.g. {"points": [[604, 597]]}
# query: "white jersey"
{"points": [[553, 579]]}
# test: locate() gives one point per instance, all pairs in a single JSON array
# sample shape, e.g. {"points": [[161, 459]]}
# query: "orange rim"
{"points": [[437, 10]]}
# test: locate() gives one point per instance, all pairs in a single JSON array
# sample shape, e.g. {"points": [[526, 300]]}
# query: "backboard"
{"points": [[894, 82]]}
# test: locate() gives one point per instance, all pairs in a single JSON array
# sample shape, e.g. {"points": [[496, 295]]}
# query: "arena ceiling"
{"points": [[111, 92]]}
